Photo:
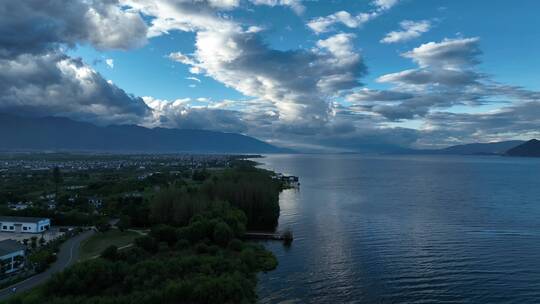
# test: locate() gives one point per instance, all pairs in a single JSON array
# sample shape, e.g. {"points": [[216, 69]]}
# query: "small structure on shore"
{"points": [[288, 180], [286, 236]]}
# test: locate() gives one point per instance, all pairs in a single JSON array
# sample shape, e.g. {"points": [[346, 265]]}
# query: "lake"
{"points": [[407, 229]]}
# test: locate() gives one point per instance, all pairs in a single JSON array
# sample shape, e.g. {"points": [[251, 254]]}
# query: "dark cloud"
{"points": [[447, 76], [517, 121], [36, 26], [296, 94], [435, 77], [55, 84], [37, 78], [378, 95]]}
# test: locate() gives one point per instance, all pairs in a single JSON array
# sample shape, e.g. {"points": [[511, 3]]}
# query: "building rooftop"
{"points": [[9, 246], [22, 219]]}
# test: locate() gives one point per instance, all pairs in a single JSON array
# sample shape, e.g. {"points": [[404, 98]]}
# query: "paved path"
{"points": [[68, 255]]}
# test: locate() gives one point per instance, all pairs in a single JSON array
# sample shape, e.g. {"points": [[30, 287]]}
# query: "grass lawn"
{"points": [[99, 241]]}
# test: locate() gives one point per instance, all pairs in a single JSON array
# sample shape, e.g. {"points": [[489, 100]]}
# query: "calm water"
{"points": [[407, 229]]}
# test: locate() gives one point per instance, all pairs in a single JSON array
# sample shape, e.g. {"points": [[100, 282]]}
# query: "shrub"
{"points": [[222, 234], [110, 253], [147, 243]]}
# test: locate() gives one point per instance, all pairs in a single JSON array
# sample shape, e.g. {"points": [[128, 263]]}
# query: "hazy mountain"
{"points": [[63, 134], [482, 148], [496, 148], [529, 149]]}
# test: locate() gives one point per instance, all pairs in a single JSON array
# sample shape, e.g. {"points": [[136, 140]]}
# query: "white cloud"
{"points": [[183, 15], [385, 4], [295, 5], [181, 114], [324, 24], [179, 57], [109, 62], [295, 81], [194, 79], [298, 82], [409, 30], [449, 53]]}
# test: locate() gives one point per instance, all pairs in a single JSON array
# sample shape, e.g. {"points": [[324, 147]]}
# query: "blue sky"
{"points": [[314, 75], [510, 43]]}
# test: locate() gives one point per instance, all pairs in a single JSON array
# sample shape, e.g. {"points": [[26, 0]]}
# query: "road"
{"points": [[68, 255]]}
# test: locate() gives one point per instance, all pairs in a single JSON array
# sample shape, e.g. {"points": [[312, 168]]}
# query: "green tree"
{"points": [[42, 241], [41, 259], [33, 242], [147, 243], [110, 253], [57, 179], [164, 233], [222, 234]]}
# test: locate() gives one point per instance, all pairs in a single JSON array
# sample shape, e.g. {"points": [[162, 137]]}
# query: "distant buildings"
{"points": [[96, 202], [12, 256], [19, 205], [24, 224], [76, 187]]}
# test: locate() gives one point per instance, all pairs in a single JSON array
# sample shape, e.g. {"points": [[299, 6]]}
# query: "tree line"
{"points": [[194, 252]]}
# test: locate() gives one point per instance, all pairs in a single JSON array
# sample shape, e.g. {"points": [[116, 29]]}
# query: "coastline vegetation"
{"points": [[93, 246], [194, 252]]}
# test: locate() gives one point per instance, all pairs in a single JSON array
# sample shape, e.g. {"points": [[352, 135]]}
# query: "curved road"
{"points": [[68, 255]]}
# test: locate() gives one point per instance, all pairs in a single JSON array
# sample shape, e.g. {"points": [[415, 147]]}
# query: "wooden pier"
{"points": [[264, 236]]}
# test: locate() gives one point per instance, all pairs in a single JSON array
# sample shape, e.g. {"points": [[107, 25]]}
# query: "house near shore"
{"points": [[12, 256], [21, 224]]}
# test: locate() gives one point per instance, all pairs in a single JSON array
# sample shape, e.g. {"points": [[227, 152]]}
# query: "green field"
{"points": [[101, 240]]}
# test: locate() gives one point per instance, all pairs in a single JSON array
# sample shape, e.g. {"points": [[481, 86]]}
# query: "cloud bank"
{"points": [[308, 97]]}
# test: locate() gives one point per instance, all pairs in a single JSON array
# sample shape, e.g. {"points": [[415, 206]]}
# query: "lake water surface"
{"points": [[407, 229]]}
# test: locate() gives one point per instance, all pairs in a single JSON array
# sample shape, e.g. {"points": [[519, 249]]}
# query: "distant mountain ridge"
{"points": [[63, 134], [527, 149], [497, 148]]}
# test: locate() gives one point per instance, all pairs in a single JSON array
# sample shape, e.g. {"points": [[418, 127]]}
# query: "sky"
{"points": [[335, 75]]}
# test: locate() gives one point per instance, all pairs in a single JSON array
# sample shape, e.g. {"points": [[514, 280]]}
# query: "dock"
{"points": [[264, 236]]}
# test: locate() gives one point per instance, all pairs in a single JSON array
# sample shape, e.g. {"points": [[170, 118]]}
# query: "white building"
{"points": [[12, 256], [24, 224]]}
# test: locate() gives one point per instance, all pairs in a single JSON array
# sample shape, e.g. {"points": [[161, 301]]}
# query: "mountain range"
{"points": [[19, 133], [495, 148], [527, 149]]}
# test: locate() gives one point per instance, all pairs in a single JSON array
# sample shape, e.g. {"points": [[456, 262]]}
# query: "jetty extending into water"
{"points": [[286, 236], [263, 236]]}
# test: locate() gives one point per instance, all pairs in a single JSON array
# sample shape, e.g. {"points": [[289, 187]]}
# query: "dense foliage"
{"points": [[194, 251], [252, 191], [247, 188]]}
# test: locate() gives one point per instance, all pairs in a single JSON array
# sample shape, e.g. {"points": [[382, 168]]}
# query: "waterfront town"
{"points": [[58, 210]]}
